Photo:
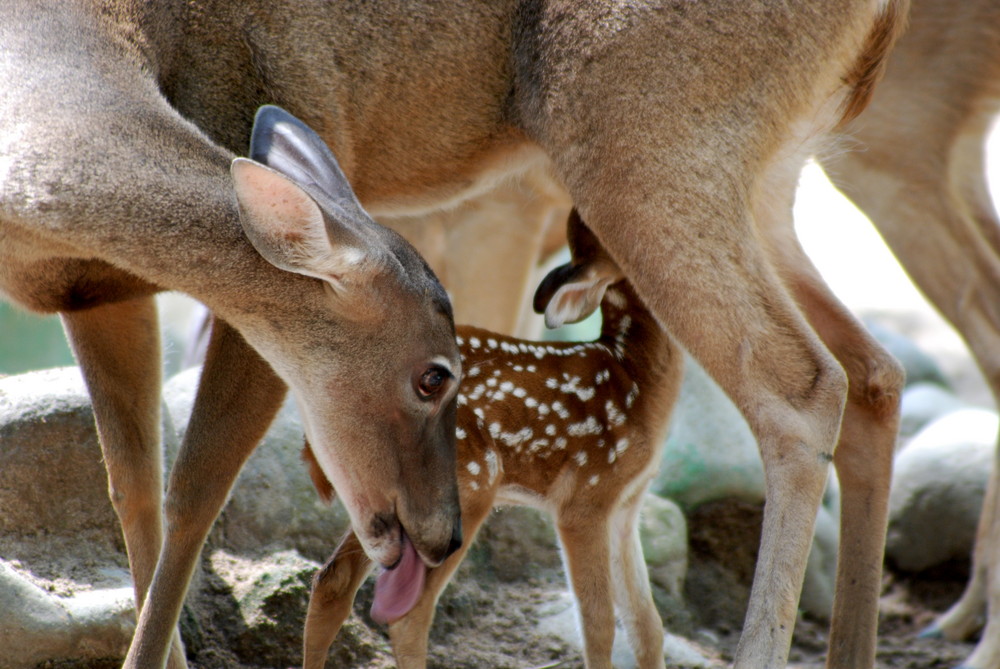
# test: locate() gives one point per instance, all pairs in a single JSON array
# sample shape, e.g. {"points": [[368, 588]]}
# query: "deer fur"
{"points": [[677, 129], [574, 429], [916, 165]]}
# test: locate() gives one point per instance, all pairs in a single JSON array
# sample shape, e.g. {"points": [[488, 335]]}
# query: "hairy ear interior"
{"points": [[574, 301], [287, 226]]}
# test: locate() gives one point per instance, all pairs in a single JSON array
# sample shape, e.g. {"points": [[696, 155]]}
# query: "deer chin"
{"points": [[398, 588]]}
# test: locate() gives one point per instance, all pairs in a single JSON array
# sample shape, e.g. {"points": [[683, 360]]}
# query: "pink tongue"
{"points": [[397, 589]]}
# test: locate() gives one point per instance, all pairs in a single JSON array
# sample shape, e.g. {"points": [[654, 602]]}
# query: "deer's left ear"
{"points": [[570, 293]]}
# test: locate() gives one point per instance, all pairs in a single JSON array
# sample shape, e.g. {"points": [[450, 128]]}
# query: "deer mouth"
{"points": [[398, 588]]}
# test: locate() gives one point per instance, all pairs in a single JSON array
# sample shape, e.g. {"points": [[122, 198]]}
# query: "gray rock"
{"points": [[36, 625], [271, 596], [65, 586], [663, 533], [710, 452], [938, 487], [821, 569], [922, 403]]}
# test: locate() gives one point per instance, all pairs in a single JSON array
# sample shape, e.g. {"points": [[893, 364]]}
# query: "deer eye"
{"points": [[432, 381]]}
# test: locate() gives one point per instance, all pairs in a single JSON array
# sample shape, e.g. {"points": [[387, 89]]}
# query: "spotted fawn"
{"points": [[574, 429]]}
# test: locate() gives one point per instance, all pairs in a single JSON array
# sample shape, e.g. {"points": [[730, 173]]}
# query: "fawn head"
{"points": [[374, 367], [571, 292]]}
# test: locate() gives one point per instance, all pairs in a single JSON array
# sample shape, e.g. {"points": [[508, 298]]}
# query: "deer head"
{"points": [[377, 394]]}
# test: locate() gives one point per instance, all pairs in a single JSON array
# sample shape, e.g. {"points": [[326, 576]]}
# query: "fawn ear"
{"points": [[570, 293], [288, 228]]}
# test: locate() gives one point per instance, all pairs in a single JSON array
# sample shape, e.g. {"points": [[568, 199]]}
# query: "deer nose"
{"points": [[456, 539]]}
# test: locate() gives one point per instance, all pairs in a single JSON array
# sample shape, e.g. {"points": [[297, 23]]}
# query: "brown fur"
{"points": [[676, 128]]}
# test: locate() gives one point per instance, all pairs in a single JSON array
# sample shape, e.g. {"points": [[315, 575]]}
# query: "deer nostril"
{"points": [[456, 539]]}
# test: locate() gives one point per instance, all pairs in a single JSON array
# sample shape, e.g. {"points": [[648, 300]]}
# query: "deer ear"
{"points": [[570, 293], [286, 144], [288, 227]]}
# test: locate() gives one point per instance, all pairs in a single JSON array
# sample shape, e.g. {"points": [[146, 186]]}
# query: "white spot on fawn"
{"points": [[593, 480], [491, 464], [474, 342], [632, 395], [615, 417], [581, 458], [473, 468], [589, 426], [550, 430], [560, 443], [560, 410], [621, 445], [459, 433]]}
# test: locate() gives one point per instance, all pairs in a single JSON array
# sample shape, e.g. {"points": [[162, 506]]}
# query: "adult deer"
{"points": [[316, 278], [677, 128], [919, 175], [572, 429]]}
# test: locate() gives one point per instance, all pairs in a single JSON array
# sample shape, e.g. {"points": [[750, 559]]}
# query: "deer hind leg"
{"points": [[922, 184], [688, 246], [633, 596], [864, 454], [332, 598], [118, 348], [238, 396]]}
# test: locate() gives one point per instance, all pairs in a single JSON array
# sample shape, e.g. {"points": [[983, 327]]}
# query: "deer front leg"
{"points": [[238, 396], [332, 598], [118, 348]]}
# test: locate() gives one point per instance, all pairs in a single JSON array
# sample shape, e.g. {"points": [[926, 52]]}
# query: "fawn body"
{"points": [[574, 429]]}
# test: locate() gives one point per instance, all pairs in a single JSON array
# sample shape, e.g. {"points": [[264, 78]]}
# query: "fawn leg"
{"points": [[332, 598], [238, 397], [586, 551], [633, 596], [118, 348], [409, 633]]}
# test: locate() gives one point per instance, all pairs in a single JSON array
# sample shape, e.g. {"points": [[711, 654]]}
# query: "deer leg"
{"points": [[930, 203], [332, 598], [118, 348], [238, 396], [864, 453], [633, 596]]}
